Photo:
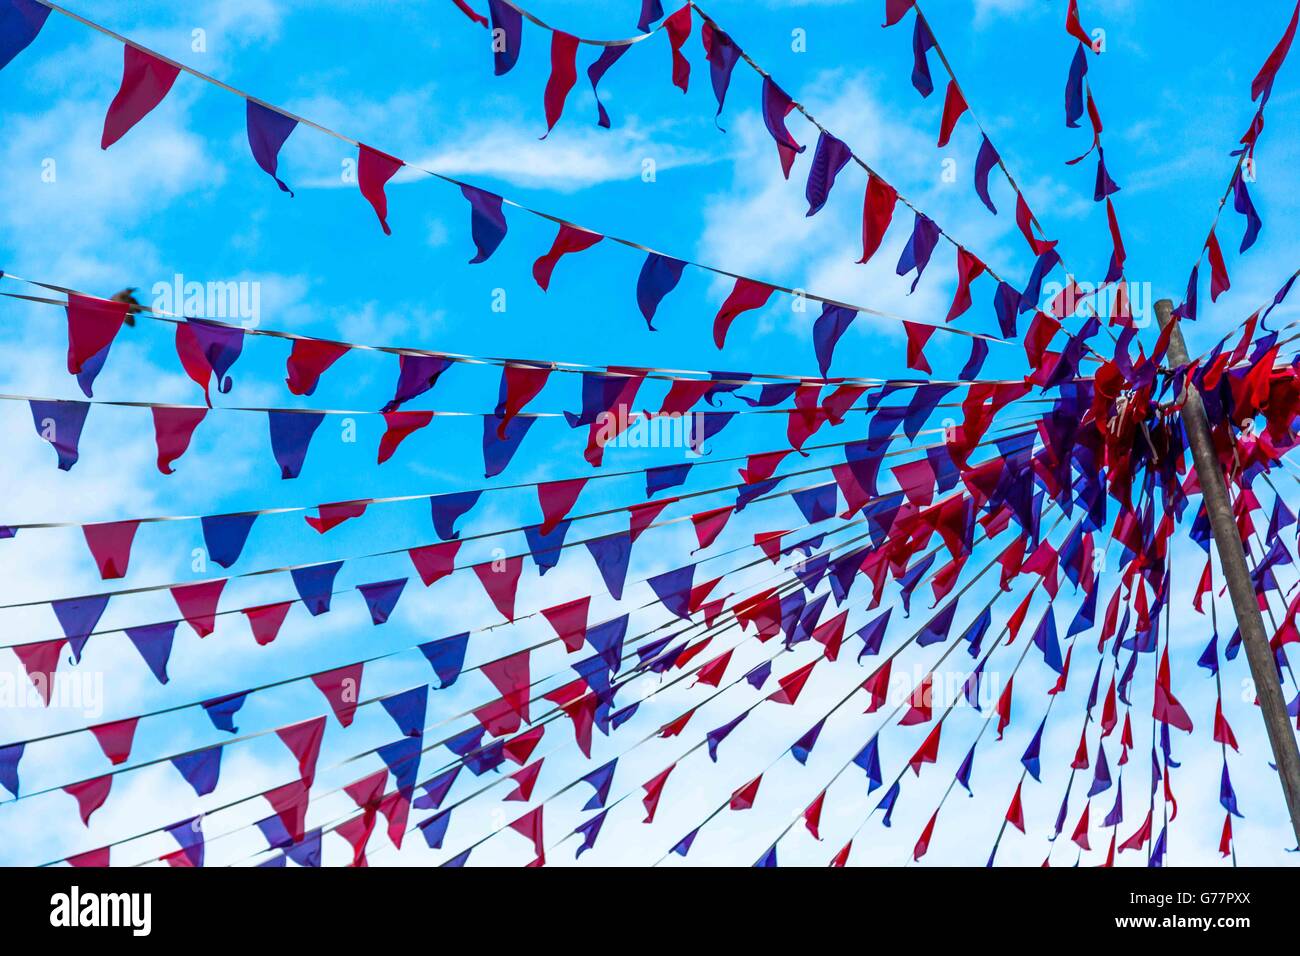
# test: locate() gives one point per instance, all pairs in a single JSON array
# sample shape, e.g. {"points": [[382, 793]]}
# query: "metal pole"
{"points": [[1232, 556]]}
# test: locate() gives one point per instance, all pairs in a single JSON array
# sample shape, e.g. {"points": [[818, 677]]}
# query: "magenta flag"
{"points": [[145, 81]]}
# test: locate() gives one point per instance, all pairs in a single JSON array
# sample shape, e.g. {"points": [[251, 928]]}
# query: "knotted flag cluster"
{"points": [[1016, 533]]}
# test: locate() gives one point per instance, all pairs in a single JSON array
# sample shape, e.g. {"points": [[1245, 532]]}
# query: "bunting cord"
{"points": [[857, 687], [1001, 164], [429, 727], [544, 719], [492, 534], [785, 290], [651, 736], [612, 371]]}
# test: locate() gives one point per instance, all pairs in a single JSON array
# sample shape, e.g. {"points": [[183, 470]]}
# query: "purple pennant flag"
{"points": [[275, 833], [267, 131], [703, 426], [911, 578], [446, 657], [873, 634], [984, 163], [868, 759], [864, 459], [1045, 640], [1187, 310], [804, 745], [506, 33], [1074, 87], [497, 452], [416, 375], [651, 10], [817, 504], [776, 106], [1030, 759], [306, 852], [450, 508], [975, 635], [919, 248], [664, 477], [290, 435], [434, 829], [1241, 202], [830, 325], [402, 758], [315, 584], [436, 790], [674, 589], [221, 711], [408, 710], [1228, 796], [659, 276], [60, 424], [757, 677], [922, 43], [20, 22], [189, 834], [716, 736], [381, 597], [922, 405], [154, 642], [601, 779], [831, 157], [1043, 267], [225, 536], [220, 346], [684, 845], [596, 72], [589, 832], [612, 555], [78, 618], [936, 629], [1006, 303], [606, 639], [722, 53], [457, 861], [979, 351], [9, 757], [1116, 815], [487, 221], [1105, 185], [964, 771], [201, 769], [1101, 775], [546, 549]]}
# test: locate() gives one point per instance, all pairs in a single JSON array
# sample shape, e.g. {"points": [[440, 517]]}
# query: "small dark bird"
{"points": [[132, 303]]}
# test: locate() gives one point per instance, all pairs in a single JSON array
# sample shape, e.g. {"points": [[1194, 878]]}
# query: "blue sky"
{"points": [[181, 196]]}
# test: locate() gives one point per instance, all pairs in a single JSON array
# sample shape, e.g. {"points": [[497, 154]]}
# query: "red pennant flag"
{"points": [[92, 858], [521, 384], [1075, 28], [769, 542], [969, 268], [110, 546], [1222, 730], [115, 739], [642, 516], [556, 499], [1225, 839], [1018, 617], [434, 561], [568, 239], [654, 789], [331, 516], [877, 211], [524, 781], [954, 104], [500, 579], [266, 620], [840, 859], [173, 429], [1138, 839], [812, 816], [304, 740], [290, 804], [1025, 221], [745, 296], [928, 752], [1004, 707], [877, 685], [763, 466], [374, 170], [400, 425], [40, 661], [510, 676], [530, 826], [678, 27], [1219, 282], [1081, 831], [198, 604], [923, 844], [1016, 812], [920, 704], [564, 74], [709, 524], [1166, 708], [145, 81], [830, 634], [342, 688], [792, 684], [93, 324], [689, 654], [1268, 72], [521, 746], [675, 726], [308, 360], [917, 336], [90, 795], [1081, 752], [570, 622], [743, 798]]}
